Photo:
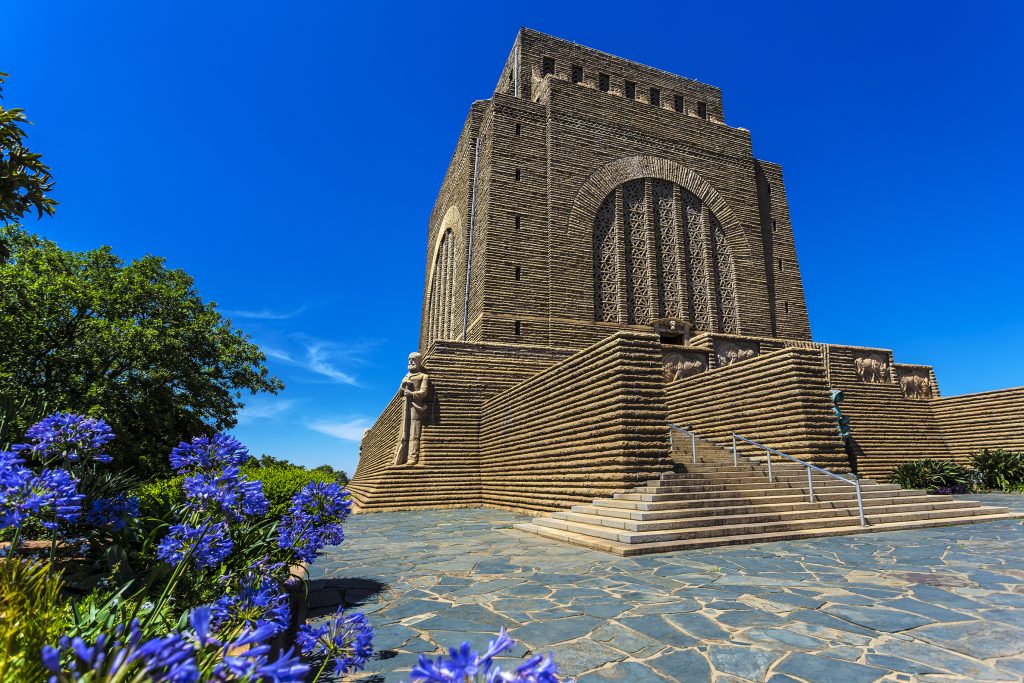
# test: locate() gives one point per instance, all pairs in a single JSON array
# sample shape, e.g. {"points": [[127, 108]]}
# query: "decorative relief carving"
{"points": [[673, 330], [676, 259], [697, 270], [415, 392], [915, 382], [638, 290], [669, 268], [606, 280], [872, 368], [682, 364], [729, 351], [725, 277]]}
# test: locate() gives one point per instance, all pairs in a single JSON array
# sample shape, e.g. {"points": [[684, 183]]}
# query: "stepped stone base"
{"points": [[707, 501]]}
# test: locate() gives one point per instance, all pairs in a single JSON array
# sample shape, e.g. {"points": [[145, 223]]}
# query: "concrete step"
{"points": [[695, 509], [679, 532], [746, 484], [678, 501], [712, 491], [630, 549], [647, 521]]}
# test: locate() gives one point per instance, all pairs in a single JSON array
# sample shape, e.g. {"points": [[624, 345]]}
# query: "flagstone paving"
{"points": [[944, 604]]}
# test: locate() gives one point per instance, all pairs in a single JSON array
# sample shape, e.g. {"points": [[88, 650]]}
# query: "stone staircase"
{"points": [[713, 503]]}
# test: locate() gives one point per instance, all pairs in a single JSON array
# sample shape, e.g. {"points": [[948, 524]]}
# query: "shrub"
{"points": [[281, 482], [999, 469], [159, 497], [933, 475]]}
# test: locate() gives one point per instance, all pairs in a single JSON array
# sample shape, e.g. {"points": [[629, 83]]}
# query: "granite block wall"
{"points": [[992, 419], [587, 426], [462, 376], [779, 399]]}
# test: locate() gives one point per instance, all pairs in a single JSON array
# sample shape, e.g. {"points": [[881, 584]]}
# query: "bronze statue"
{"points": [[415, 391]]}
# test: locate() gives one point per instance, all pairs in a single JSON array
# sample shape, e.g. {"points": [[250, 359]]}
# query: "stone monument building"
{"points": [[605, 257]]}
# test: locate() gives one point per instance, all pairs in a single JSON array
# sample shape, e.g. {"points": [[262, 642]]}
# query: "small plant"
{"points": [[462, 665], [934, 476], [31, 616], [999, 469]]}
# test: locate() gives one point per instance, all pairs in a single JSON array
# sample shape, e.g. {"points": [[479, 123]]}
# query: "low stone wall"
{"points": [[462, 375], [590, 425], [376, 451], [993, 419], [779, 399]]}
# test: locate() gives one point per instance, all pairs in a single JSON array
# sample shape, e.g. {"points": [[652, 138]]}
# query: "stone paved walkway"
{"points": [[942, 604]]}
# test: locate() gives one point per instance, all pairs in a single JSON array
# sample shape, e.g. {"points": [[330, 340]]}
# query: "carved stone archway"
{"points": [[665, 244], [446, 273]]}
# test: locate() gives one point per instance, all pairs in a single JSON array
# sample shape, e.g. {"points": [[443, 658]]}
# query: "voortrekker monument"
{"points": [[607, 258]]}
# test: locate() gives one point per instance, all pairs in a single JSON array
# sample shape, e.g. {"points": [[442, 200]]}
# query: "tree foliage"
{"points": [[24, 178], [133, 343]]}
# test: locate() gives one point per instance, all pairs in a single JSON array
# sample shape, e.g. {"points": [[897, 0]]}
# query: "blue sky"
{"points": [[287, 155]]}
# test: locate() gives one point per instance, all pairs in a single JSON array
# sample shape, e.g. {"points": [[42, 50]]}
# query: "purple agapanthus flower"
{"points": [[463, 665], [206, 545], [225, 492], [112, 513], [348, 640], [172, 658], [255, 603], [209, 453], [51, 496], [314, 520], [73, 438], [14, 477]]}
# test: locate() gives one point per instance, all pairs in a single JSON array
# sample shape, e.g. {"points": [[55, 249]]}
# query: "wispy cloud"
{"points": [[266, 314], [320, 357], [277, 354], [347, 430], [264, 410]]}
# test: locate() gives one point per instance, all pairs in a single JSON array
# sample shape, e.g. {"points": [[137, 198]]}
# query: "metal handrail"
{"points": [[810, 481], [693, 439]]}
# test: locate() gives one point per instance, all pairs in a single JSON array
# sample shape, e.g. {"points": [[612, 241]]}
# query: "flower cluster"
{"points": [[255, 603], [314, 520], [214, 485], [207, 453], [347, 640], [51, 496], [173, 657], [74, 438], [225, 493], [205, 545], [462, 665], [112, 513]]}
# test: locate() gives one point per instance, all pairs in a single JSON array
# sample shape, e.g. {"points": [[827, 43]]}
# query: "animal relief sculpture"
{"points": [[679, 365], [916, 384], [415, 393], [730, 352], [871, 368]]}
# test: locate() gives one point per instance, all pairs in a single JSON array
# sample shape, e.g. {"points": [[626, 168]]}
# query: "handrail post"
{"points": [[693, 446], [769, 452], [734, 457], [860, 502], [810, 483], [671, 441]]}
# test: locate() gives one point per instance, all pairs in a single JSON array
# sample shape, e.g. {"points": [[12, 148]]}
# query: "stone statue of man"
{"points": [[415, 391]]}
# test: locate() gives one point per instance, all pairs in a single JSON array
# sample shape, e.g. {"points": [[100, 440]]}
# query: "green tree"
{"points": [[133, 343], [24, 178]]}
